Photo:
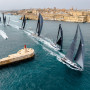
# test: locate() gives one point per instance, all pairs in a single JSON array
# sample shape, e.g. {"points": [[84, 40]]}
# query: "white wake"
{"points": [[3, 34], [15, 26], [48, 42], [58, 56], [45, 41], [14, 21]]}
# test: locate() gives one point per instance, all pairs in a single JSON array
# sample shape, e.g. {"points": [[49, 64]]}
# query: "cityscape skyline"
{"points": [[27, 4]]}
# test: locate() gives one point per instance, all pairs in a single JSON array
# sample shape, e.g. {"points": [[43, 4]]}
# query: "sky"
{"points": [[27, 4]]}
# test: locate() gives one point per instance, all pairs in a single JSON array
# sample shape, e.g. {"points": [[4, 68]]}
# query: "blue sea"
{"points": [[45, 71]]}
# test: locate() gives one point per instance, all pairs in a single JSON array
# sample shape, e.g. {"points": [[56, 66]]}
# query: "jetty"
{"points": [[21, 55]]}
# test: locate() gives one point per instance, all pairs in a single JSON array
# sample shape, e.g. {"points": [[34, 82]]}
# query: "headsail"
{"points": [[79, 58], [71, 50], [39, 24], [60, 40]]}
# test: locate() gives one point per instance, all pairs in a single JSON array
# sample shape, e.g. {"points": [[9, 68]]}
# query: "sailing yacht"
{"points": [[23, 23], [39, 25], [77, 62], [59, 41], [4, 19]]}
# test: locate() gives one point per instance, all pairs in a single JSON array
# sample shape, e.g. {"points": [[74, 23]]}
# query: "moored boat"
{"points": [[21, 55]]}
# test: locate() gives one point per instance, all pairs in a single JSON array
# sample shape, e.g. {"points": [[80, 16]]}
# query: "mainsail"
{"points": [[24, 22], [60, 39], [79, 58], [3, 16], [71, 50], [4, 19], [39, 24]]}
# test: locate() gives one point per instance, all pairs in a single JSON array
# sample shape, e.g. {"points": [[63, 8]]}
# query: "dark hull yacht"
{"points": [[76, 62]]}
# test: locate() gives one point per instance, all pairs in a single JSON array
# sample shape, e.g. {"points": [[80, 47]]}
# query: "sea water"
{"points": [[45, 71]]}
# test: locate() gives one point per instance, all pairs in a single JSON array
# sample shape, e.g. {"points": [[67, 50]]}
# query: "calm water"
{"points": [[45, 71]]}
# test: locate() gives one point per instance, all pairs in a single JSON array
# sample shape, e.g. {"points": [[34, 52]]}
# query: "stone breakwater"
{"points": [[21, 55]]}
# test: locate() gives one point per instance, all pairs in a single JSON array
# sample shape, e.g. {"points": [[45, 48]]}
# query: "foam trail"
{"points": [[3, 34], [30, 28], [15, 26], [48, 42], [31, 38], [58, 57], [14, 21], [45, 41], [51, 52], [31, 32]]}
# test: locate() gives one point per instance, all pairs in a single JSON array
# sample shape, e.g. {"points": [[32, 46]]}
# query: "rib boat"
{"points": [[75, 62], [21, 55]]}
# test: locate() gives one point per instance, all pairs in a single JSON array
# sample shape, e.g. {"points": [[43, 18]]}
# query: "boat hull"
{"points": [[71, 64], [51, 44]]}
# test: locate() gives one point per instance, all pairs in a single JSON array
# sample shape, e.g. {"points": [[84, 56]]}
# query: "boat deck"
{"points": [[71, 64]]}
